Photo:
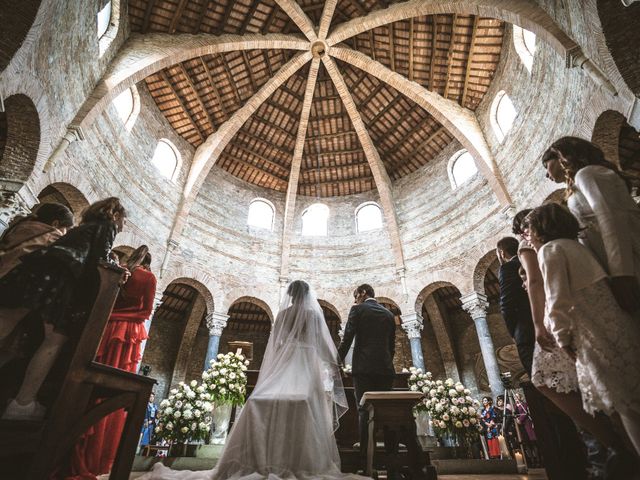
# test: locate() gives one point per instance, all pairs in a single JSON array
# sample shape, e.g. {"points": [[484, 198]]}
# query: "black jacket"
{"points": [[374, 329], [514, 303]]}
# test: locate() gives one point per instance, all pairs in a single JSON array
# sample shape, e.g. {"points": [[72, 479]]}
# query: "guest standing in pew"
{"points": [[598, 194], [58, 284], [374, 329], [120, 347], [24, 235]]}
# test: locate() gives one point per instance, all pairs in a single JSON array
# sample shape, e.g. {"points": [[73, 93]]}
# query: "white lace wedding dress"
{"points": [[285, 430]]}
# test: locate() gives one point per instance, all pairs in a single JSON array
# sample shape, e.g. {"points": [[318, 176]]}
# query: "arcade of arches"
{"points": [[367, 103]]}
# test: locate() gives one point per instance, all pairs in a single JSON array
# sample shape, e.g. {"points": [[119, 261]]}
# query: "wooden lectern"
{"points": [[393, 412]]}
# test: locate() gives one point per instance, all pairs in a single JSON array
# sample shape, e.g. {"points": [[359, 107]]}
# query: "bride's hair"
{"points": [[297, 290]]}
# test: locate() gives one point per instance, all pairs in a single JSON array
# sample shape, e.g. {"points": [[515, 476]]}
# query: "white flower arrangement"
{"points": [[448, 403], [226, 381], [176, 414]]}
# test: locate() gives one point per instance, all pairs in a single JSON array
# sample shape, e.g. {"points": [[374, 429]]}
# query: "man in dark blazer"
{"points": [[374, 330]]}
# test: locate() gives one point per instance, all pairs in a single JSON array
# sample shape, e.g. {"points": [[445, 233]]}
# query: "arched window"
{"points": [[128, 106], [260, 214], [104, 18], [462, 167], [166, 158], [503, 114], [524, 42], [368, 217], [315, 219]]}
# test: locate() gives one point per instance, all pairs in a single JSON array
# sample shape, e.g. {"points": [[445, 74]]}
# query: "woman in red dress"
{"points": [[120, 348]]}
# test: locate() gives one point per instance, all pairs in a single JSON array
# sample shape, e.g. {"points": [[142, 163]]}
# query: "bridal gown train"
{"points": [[285, 430]]}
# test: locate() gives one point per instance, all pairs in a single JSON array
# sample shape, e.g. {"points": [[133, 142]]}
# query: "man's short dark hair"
{"points": [[509, 245], [368, 289]]}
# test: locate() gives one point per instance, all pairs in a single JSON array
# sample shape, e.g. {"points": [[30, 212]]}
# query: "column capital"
{"points": [[412, 324], [475, 304], [508, 211], [216, 321]]}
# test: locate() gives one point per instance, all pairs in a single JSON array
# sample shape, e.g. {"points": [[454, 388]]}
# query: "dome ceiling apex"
{"points": [[453, 56]]}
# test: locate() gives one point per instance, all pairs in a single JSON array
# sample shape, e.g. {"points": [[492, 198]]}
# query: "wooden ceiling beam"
{"points": [[147, 16], [262, 121], [165, 78], [392, 47], [331, 135], [434, 49], [268, 161], [249, 15], [411, 60], [372, 42], [386, 108], [201, 14], [405, 140], [452, 43], [339, 182], [263, 141], [428, 141], [297, 15], [214, 88], [267, 62], [358, 7], [234, 87], [225, 16], [235, 160], [467, 72], [249, 70], [270, 18], [177, 16], [198, 97], [281, 108]]}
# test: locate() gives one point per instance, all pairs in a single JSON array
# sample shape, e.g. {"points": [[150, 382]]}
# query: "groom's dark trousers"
{"points": [[373, 328]]}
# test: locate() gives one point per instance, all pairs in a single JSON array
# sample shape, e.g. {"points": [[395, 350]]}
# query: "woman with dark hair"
{"points": [[586, 321], [27, 234], [598, 195], [120, 348], [58, 284]]}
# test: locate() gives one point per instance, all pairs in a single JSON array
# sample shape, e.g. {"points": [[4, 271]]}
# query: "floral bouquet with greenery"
{"points": [[448, 403], [225, 380], [185, 415]]}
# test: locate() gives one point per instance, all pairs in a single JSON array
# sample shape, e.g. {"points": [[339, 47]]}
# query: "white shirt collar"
{"points": [[372, 299]]}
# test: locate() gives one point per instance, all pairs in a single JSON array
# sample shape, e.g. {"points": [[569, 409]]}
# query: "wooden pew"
{"points": [[33, 450]]}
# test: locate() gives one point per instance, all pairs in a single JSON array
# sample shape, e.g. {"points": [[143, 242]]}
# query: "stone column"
{"points": [[216, 322], [412, 324], [157, 301], [73, 134], [15, 199], [476, 305]]}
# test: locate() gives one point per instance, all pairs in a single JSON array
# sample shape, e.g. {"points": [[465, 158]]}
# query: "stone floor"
{"points": [[533, 475]]}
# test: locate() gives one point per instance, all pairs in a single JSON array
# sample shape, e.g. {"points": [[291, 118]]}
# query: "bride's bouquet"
{"points": [[225, 380], [448, 403], [186, 414]]}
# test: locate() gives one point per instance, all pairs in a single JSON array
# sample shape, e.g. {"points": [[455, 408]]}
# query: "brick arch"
{"points": [[481, 269], [389, 301], [606, 134], [67, 194], [255, 301], [428, 290], [20, 136], [17, 23], [194, 278], [64, 175], [329, 306], [622, 36]]}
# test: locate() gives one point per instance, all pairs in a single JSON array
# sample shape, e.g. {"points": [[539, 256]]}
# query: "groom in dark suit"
{"points": [[374, 329]]}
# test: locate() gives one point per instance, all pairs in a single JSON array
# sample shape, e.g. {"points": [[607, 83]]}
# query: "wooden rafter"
{"points": [[213, 86], [281, 108], [147, 16], [428, 140], [262, 121], [249, 70], [392, 47], [177, 16], [225, 17], [331, 135], [267, 63], [253, 167], [434, 49], [165, 78], [270, 18], [267, 161], [247, 19], [187, 77], [372, 42], [201, 14], [411, 33], [467, 72], [263, 141], [234, 87], [358, 7], [452, 43], [386, 108], [405, 140]]}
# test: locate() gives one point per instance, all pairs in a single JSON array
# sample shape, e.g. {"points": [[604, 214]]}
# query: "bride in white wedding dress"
{"points": [[285, 430]]}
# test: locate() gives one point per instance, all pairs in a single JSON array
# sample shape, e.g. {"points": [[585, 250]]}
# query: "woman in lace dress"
{"points": [[598, 195], [585, 319], [554, 371]]}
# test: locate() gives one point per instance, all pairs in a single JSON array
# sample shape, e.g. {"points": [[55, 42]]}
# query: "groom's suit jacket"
{"points": [[374, 329]]}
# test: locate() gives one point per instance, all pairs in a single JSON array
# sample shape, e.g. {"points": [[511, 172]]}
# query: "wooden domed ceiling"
{"points": [[455, 56]]}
